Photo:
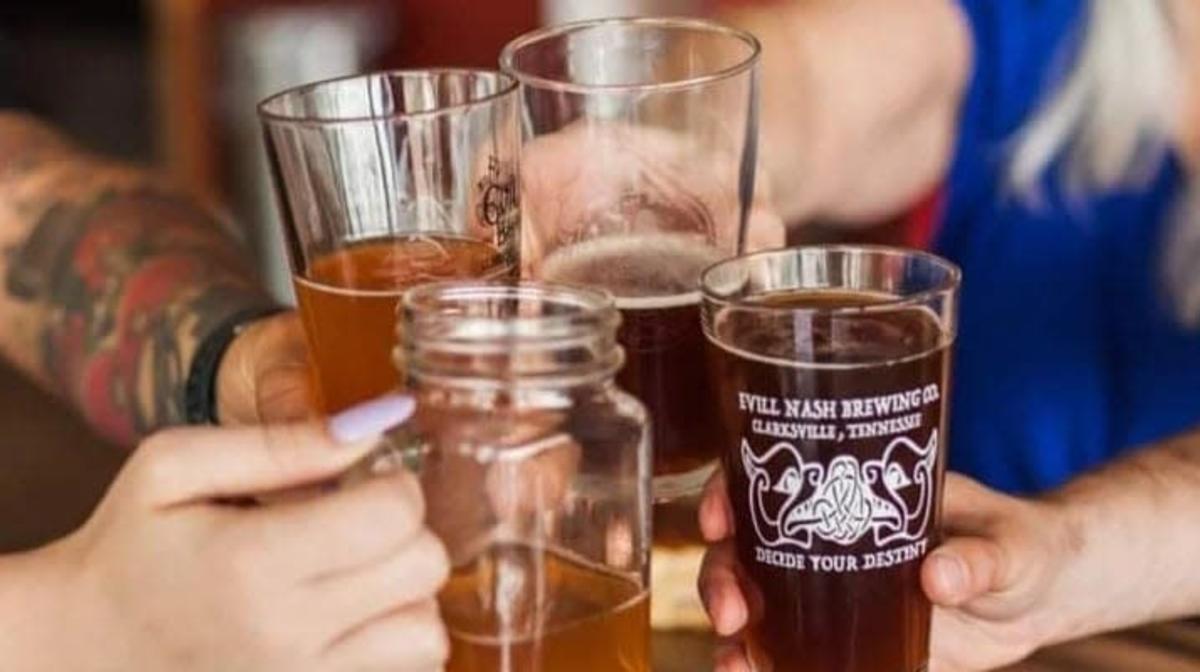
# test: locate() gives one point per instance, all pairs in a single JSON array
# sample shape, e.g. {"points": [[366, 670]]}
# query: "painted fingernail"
{"points": [[950, 572], [371, 418]]}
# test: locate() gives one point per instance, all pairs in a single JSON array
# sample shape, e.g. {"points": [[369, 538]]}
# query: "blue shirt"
{"points": [[1068, 352]]}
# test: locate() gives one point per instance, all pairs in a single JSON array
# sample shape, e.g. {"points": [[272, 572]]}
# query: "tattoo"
{"points": [[129, 278]]}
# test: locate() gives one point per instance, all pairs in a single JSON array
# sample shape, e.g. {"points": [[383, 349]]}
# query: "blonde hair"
{"points": [[1113, 121]]}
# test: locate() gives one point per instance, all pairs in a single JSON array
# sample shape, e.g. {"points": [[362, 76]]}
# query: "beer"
{"points": [[831, 404], [348, 303], [654, 278], [522, 608]]}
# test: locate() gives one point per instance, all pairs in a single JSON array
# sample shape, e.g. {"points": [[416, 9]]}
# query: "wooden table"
{"points": [[1171, 647]]}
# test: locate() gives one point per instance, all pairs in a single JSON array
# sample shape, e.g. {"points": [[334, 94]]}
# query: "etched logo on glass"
{"points": [[889, 499]]}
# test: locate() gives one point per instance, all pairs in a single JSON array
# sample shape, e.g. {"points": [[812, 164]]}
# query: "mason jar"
{"points": [[537, 473]]}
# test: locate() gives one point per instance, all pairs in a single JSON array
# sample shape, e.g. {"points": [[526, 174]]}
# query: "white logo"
{"points": [[890, 497]]}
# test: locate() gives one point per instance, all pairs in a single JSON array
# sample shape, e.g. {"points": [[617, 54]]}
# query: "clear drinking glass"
{"points": [[536, 472], [638, 172], [385, 181], [834, 376]]}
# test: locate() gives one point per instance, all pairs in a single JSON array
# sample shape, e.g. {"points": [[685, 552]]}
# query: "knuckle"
{"points": [[432, 560], [154, 464], [400, 496], [430, 630], [409, 488]]}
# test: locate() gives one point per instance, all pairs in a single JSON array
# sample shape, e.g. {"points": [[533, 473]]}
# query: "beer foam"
{"points": [[398, 292], [657, 302], [653, 270], [325, 288]]}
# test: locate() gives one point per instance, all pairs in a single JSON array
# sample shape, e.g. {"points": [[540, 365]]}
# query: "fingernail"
{"points": [[371, 418], [735, 615], [950, 572]]}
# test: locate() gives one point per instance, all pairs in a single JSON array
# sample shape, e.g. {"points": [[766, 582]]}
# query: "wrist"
{"points": [[216, 366], [1078, 595]]}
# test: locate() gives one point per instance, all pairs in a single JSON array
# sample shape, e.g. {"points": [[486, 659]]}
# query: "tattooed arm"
{"points": [[111, 278]]}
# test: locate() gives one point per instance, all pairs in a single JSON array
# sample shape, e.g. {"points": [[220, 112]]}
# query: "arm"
{"points": [[860, 101], [110, 280], [1134, 529]]}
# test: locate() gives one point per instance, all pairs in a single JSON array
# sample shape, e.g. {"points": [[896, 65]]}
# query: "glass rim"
{"points": [[597, 307], [508, 54], [946, 287], [508, 86]]}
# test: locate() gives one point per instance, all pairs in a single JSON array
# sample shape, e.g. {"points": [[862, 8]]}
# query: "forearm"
{"points": [[860, 101], [1135, 534], [111, 279]]}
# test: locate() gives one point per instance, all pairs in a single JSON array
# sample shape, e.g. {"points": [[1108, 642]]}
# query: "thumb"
{"points": [[186, 465], [964, 569]]}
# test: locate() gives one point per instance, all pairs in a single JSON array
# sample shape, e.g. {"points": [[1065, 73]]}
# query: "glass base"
{"points": [[684, 484]]}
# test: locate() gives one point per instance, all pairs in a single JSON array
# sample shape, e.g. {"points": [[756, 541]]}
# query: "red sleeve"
{"points": [[920, 224]]}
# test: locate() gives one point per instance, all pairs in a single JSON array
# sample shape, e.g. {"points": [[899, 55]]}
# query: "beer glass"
{"points": [[536, 471], [833, 370], [638, 173], [384, 181]]}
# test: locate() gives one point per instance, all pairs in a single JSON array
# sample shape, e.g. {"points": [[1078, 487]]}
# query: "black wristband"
{"points": [[200, 392]]}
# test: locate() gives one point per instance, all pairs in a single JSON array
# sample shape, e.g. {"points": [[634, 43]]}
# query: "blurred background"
{"points": [[174, 84]]}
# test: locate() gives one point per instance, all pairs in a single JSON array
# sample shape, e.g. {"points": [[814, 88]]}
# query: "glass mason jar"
{"points": [[536, 472]]}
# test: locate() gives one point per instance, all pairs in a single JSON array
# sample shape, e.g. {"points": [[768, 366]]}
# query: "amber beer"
{"points": [[348, 303], [584, 619], [654, 278], [832, 408]]}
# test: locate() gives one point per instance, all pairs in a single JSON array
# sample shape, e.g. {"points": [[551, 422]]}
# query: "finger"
{"points": [[284, 393], [716, 514], [962, 570], [967, 503], [343, 530], [410, 576], [265, 375], [412, 638], [187, 465], [721, 591], [731, 657]]}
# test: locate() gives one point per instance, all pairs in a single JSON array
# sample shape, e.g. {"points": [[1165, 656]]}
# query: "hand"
{"points": [[265, 374], [163, 577], [995, 582]]}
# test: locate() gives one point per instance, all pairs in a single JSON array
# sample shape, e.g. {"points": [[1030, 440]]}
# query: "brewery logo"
{"points": [[887, 500], [498, 203]]}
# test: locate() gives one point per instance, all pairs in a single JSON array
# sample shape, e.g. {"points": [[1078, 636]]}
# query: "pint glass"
{"points": [[639, 168], [833, 368], [385, 181]]}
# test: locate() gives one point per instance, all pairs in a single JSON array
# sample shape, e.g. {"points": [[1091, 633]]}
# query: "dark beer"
{"points": [[654, 278], [579, 618], [348, 302], [831, 405]]}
